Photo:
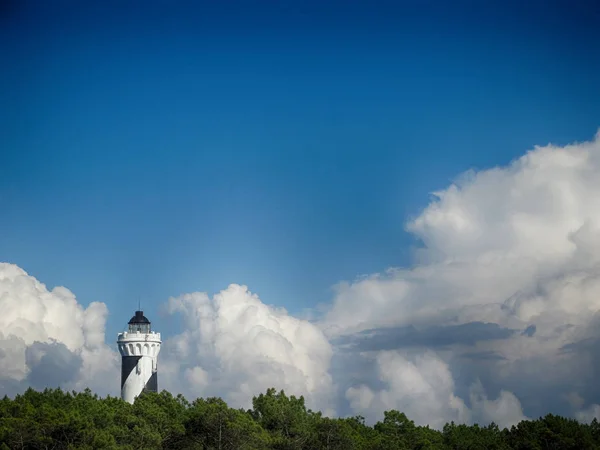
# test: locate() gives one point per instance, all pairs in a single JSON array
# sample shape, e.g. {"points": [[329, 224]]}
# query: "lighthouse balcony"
{"points": [[138, 337], [139, 348]]}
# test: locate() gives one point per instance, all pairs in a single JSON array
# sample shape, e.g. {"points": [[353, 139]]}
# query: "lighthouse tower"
{"points": [[139, 347]]}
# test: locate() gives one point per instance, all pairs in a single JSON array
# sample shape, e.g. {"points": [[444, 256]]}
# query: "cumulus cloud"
{"points": [[48, 339], [516, 248], [423, 389], [421, 385], [491, 235], [505, 410], [235, 346], [589, 414]]}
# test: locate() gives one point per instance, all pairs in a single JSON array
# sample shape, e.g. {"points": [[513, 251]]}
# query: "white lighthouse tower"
{"points": [[139, 347]]}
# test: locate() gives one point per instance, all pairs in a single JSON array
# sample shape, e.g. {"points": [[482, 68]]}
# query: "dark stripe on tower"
{"points": [[128, 364], [152, 384]]}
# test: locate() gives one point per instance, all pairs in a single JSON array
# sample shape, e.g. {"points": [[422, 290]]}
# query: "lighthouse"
{"points": [[139, 347]]}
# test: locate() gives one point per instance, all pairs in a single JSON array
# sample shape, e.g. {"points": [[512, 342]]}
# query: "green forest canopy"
{"points": [[54, 419]]}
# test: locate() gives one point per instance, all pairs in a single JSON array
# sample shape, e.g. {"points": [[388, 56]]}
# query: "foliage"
{"points": [[54, 419]]}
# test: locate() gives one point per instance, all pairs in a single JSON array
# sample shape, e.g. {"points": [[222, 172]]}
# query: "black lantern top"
{"points": [[140, 323]]}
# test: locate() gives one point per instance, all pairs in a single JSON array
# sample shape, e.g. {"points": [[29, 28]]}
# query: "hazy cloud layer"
{"points": [[441, 337], [497, 320]]}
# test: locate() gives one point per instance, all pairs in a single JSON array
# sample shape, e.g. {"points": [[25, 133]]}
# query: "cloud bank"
{"points": [[496, 321]]}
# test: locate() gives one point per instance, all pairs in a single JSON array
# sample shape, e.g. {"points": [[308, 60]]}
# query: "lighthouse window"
{"points": [[141, 327]]}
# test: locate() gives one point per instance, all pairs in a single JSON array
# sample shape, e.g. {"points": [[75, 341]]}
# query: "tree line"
{"points": [[55, 419]]}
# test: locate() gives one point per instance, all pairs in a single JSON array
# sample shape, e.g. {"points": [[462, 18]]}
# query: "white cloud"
{"points": [[235, 346], [423, 389], [589, 414], [517, 246], [487, 237], [505, 410], [422, 386], [46, 332]]}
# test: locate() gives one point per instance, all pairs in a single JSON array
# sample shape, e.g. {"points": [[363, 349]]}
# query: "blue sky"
{"points": [[153, 150]]}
